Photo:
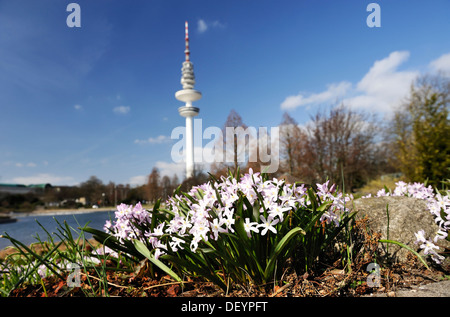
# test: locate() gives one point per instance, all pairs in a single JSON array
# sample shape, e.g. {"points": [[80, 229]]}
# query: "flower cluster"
{"points": [[212, 212], [416, 190], [439, 207], [126, 215]]}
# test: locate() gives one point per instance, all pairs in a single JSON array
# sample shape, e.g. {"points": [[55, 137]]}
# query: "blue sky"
{"points": [[99, 99]]}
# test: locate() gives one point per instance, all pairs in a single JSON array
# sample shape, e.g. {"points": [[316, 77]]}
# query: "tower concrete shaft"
{"points": [[188, 95]]}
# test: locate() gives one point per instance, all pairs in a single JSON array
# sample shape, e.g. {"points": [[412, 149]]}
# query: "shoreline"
{"points": [[8, 249], [54, 212], [38, 248]]}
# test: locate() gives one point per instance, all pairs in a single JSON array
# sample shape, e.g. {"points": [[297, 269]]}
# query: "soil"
{"points": [[331, 283]]}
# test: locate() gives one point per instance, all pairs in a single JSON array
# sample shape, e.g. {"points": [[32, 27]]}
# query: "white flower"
{"points": [[229, 221], [437, 258], [277, 211], [42, 270], [250, 226], [442, 202], [185, 224], [382, 193], [175, 244], [194, 243], [158, 253], [401, 189], [440, 234], [420, 236], [272, 193], [159, 230], [268, 224], [228, 198], [216, 227], [429, 247], [200, 229]]}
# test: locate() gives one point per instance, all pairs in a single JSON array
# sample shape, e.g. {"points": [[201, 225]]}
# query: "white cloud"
{"points": [[202, 158], [158, 140], [203, 26], [138, 180], [122, 109], [384, 86], [333, 92], [42, 179], [78, 107], [441, 64], [20, 164], [171, 168], [202, 155], [381, 88]]}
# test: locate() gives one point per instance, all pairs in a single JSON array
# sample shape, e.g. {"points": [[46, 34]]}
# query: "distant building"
{"points": [[20, 189]]}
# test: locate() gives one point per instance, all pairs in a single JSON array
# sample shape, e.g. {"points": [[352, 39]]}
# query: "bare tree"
{"points": [[292, 142], [153, 186], [264, 152], [93, 189], [198, 178], [234, 145], [175, 181], [166, 187], [340, 147]]}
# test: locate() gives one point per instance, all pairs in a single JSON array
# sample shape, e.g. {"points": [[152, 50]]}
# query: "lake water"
{"points": [[26, 228]]}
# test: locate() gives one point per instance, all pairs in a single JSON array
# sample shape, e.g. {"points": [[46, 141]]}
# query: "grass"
{"points": [[28, 265], [373, 186]]}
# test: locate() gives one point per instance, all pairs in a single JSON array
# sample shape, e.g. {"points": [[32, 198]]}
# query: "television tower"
{"points": [[188, 95]]}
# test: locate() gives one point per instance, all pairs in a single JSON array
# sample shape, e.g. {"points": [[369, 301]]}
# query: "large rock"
{"points": [[437, 289], [406, 217]]}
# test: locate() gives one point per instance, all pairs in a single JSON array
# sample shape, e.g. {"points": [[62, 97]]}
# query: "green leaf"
{"points": [[246, 246], [407, 248], [281, 246], [140, 246], [157, 204], [312, 198], [19, 245], [324, 206], [113, 243]]}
